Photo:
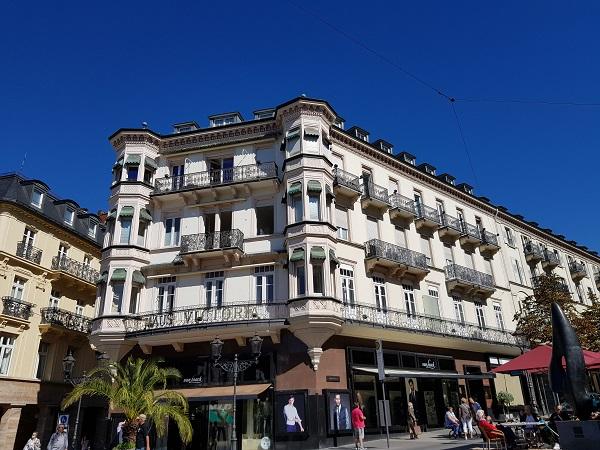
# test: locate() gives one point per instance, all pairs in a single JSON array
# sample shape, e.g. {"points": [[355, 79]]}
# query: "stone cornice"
{"points": [[124, 137], [306, 108]]}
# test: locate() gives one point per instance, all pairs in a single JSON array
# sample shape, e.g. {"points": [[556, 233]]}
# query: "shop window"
{"points": [[390, 359], [363, 357], [446, 364], [409, 361], [264, 220], [264, 277]]}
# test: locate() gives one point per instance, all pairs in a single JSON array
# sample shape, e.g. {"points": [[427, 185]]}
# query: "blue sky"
{"points": [[74, 72]]}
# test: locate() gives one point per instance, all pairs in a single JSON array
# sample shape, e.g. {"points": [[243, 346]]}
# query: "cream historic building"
{"points": [[49, 261], [292, 227]]}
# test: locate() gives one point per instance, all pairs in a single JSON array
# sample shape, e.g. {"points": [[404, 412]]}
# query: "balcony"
{"points": [[561, 284], [489, 244], [75, 268], [402, 209], [57, 317], [29, 252], [550, 260], [533, 253], [375, 196], [229, 244], [16, 309], [428, 219], [394, 260], [470, 237], [346, 184], [469, 282], [431, 325], [577, 270], [222, 181], [450, 229]]}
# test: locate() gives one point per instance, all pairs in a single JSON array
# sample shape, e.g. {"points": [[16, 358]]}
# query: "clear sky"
{"points": [[74, 72]]}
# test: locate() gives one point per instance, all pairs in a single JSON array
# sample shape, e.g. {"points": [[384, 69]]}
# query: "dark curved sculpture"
{"points": [[571, 379]]}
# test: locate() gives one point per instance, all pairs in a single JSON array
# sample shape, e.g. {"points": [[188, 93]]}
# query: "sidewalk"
{"points": [[432, 440]]}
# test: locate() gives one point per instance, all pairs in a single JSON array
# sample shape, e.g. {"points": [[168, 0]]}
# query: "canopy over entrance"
{"points": [[538, 360]]}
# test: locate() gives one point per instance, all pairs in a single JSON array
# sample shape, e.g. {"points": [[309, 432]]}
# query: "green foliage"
{"points": [[124, 446], [137, 387], [588, 325], [505, 398]]}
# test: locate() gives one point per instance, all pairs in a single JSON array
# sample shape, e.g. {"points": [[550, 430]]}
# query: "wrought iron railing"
{"points": [[400, 202], [427, 212], [29, 252], [449, 221], [489, 238], [471, 230], [218, 240], [210, 178], [468, 275], [346, 179], [203, 316], [66, 319], [551, 258], [75, 268], [376, 192], [419, 323], [533, 250], [376, 248], [576, 267], [15, 307], [561, 283]]}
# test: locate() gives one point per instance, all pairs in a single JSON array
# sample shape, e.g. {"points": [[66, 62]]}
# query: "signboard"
{"points": [[380, 365], [384, 421], [63, 419]]}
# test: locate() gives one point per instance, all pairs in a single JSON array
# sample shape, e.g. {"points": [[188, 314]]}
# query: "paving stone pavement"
{"points": [[432, 440]]}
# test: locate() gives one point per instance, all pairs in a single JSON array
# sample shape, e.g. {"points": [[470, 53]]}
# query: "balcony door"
{"points": [[177, 176], [18, 287], [409, 300], [221, 170], [213, 287], [372, 229], [225, 228], [28, 238]]}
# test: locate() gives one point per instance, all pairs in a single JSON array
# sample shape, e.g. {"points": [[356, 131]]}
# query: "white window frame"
{"points": [[69, 215], [380, 293], [79, 308], [480, 314], [42, 355], [510, 237], [297, 205], [54, 301], [92, 230], [300, 287], [166, 290], [314, 206], [117, 308], [410, 303], [342, 232], [7, 346], [264, 284], [122, 229], [459, 309], [316, 267], [347, 282], [17, 290], [499, 316], [214, 289], [41, 199], [172, 236], [29, 237]]}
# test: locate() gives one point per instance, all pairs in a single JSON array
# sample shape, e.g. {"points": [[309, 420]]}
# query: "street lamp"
{"points": [[235, 367], [68, 365]]}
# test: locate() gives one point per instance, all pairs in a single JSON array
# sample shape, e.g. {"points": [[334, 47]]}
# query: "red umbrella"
{"points": [[538, 360]]}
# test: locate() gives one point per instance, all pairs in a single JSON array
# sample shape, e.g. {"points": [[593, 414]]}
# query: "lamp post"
{"points": [[235, 367], [68, 365]]}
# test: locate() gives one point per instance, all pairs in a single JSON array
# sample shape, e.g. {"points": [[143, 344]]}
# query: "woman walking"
{"points": [[464, 412], [412, 421], [33, 443]]}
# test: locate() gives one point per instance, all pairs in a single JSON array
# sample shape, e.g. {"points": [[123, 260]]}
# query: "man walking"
{"points": [[142, 437], [341, 417], [466, 418], [358, 425], [59, 440]]}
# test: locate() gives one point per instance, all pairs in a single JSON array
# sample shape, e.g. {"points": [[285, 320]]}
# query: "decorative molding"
{"points": [[4, 268], [135, 137]]}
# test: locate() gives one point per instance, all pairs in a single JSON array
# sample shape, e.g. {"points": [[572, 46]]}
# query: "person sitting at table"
{"points": [[529, 416], [496, 430], [451, 422]]}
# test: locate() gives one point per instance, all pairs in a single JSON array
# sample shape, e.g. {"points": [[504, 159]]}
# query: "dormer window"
{"points": [[37, 196], [408, 158], [220, 120], [384, 146], [185, 126], [427, 168], [92, 230], [339, 122], [447, 178], [264, 114], [468, 189], [69, 215]]}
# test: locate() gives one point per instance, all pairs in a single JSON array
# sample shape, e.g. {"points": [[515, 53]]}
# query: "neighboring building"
{"points": [[49, 261], [289, 227]]}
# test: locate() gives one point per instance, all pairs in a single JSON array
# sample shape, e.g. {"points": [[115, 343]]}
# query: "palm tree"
{"points": [[138, 387]]}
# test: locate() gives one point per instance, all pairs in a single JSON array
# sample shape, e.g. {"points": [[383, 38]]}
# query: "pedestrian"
{"points": [[466, 418], [358, 426], [475, 406], [412, 421], [120, 432], [451, 422], [142, 437], [85, 443], [59, 439], [33, 443], [496, 430]]}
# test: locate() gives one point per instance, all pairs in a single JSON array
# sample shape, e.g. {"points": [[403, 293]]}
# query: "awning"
{"points": [[317, 253], [112, 215], [311, 131], [332, 257], [244, 391], [133, 160], [119, 275], [392, 373], [150, 163], [145, 215], [126, 211], [295, 188], [313, 186], [138, 277], [293, 133], [538, 360], [297, 255], [103, 278]]}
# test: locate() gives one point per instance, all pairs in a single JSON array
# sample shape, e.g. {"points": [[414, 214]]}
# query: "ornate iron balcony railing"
{"points": [[468, 275], [376, 192], [211, 178], [400, 202], [489, 238], [203, 316], [29, 252], [219, 240], [470, 230], [75, 268], [419, 323], [450, 221], [66, 319], [426, 212], [561, 283], [376, 248], [576, 267], [533, 250], [343, 178], [16, 308], [551, 258]]}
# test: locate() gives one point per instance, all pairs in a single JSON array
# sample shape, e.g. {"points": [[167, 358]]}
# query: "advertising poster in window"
{"points": [[339, 410], [290, 413]]}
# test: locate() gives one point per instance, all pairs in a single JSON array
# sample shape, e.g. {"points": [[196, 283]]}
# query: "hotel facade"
{"points": [[49, 265], [294, 228]]}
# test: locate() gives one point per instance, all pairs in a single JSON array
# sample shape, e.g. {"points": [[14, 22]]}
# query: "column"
{"points": [[9, 424]]}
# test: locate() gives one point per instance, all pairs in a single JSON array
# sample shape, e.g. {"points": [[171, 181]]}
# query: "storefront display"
{"points": [[290, 417], [339, 408]]}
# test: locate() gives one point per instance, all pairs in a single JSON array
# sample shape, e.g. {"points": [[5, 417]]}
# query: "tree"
{"points": [[588, 325], [138, 387], [505, 399], [534, 320]]}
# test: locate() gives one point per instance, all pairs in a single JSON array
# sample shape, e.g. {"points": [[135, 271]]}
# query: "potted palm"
{"points": [[505, 399], [137, 387]]}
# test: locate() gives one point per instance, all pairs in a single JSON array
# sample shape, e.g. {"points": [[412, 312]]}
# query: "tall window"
{"points": [[341, 220], [134, 298], [314, 206], [518, 271], [125, 231], [166, 294], [43, 350], [117, 298], [28, 237], [141, 234], [214, 289], [148, 175], [132, 172], [264, 220], [480, 312], [264, 277], [92, 230], [372, 229], [37, 196], [380, 294], [18, 288], [300, 279], [431, 305], [459, 312], [297, 207], [499, 316], [54, 299], [347, 276], [448, 254], [7, 344], [79, 308], [172, 232], [293, 141], [400, 236], [440, 209], [579, 290], [409, 300], [510, 238], [317, 277], [69, 215], [63, 251], [426, 249]]}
